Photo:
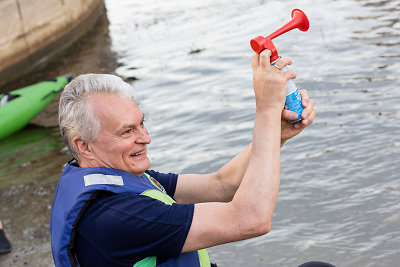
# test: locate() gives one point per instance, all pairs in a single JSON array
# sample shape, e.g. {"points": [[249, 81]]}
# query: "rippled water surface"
{"points": [[189, 63]]}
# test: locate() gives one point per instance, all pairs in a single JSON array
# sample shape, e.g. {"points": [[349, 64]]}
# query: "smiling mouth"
{"points": [[138, 153]]}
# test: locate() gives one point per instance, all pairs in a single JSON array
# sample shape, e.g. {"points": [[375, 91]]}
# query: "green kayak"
{"points": [[19, 107]]}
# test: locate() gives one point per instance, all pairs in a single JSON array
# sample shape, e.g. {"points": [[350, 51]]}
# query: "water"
{"points": [[190, 66]]}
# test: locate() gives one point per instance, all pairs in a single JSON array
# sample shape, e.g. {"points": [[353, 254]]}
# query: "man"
{"points": [[110, 210]]}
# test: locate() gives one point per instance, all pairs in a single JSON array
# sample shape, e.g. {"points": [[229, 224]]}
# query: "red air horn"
{"points": [[299, 20]]}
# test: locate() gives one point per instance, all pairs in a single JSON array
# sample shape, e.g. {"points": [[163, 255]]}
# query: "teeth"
{"points": [[137, 154]]}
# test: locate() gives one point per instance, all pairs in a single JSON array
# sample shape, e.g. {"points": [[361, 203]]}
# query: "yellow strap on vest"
{"points": [[204, 258], [157, 194], [163, 197], [147, 262]]}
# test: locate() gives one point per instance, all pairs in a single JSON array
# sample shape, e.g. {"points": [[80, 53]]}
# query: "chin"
{"points": [[141, 168]]}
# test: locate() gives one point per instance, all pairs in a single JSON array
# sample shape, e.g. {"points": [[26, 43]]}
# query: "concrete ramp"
{"points": [[33, 31]]}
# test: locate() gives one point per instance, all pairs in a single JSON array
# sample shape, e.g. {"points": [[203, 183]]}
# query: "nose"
{"points": [[143, 136]]}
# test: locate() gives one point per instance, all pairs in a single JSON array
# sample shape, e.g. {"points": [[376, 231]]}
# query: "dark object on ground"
{"points": [[5, 246], [316, 264]]}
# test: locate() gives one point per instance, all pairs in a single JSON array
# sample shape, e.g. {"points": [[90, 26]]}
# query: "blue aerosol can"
{"points": [[258, 44], [293, 97]]}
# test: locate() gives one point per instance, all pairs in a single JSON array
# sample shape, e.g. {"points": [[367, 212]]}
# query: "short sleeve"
{"points": [[119, 230]]}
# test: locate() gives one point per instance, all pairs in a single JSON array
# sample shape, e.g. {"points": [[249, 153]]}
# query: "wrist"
{"points": [[269, 111]]}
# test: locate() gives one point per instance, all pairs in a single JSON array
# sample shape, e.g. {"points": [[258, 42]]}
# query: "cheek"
{"points": [[125, 147], [112, 147]]}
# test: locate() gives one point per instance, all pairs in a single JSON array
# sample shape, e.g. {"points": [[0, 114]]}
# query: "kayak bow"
{"points": [[19, 107]]}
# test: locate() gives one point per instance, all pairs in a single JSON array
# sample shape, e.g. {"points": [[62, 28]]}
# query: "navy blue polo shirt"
{"points": [[122, 229]]}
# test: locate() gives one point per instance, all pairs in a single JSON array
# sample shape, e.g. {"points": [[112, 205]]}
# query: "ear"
{"points": [[83, 148]]}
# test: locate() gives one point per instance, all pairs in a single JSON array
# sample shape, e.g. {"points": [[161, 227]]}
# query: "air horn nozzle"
{"points": [[299, 20]]}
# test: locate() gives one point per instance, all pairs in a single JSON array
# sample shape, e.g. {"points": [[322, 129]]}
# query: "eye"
{"points": [[127, 132]]}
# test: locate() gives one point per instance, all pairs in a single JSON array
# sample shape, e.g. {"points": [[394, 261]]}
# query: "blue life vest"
{"points": [[77, 187]]}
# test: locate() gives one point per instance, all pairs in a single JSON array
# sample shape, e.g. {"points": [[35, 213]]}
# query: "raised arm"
{"points": [[222, 185], [249, 214]]}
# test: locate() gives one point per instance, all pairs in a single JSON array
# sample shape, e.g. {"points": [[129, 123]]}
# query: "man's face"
{"points": [[122, 139]]}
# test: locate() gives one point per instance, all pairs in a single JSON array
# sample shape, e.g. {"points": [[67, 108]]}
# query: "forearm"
{"points": [[231, 174], [259, 188]]}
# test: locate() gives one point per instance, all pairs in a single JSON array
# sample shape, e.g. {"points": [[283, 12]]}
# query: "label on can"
{"points": [[293, 103], [293, 97]]}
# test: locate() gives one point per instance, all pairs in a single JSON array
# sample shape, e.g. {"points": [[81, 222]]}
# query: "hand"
{"points": [[269, 83], [289, 130]]}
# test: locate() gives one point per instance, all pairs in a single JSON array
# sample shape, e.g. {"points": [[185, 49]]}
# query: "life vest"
{"points": [[77, 187]]}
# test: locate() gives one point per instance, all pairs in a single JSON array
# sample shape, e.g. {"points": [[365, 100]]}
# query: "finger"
{"points": [[307, 110], [305, 98], [283, 62], [306, 122], [265, 57], [289, 115], [255, 59], [289, 75], [310, 118], [301, 124]]}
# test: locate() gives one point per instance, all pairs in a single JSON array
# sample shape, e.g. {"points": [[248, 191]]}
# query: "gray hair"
{"points": [[75, 115]]}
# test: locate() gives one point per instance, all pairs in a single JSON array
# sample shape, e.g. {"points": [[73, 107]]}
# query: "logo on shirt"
{"points": [[158, 184]]}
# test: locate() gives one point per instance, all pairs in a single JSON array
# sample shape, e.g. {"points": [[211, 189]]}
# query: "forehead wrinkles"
{"points": [[106, 103], [114, 110]]}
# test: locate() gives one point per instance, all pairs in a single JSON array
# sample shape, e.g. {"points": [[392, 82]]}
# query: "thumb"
{"points": [[289, 115]]}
